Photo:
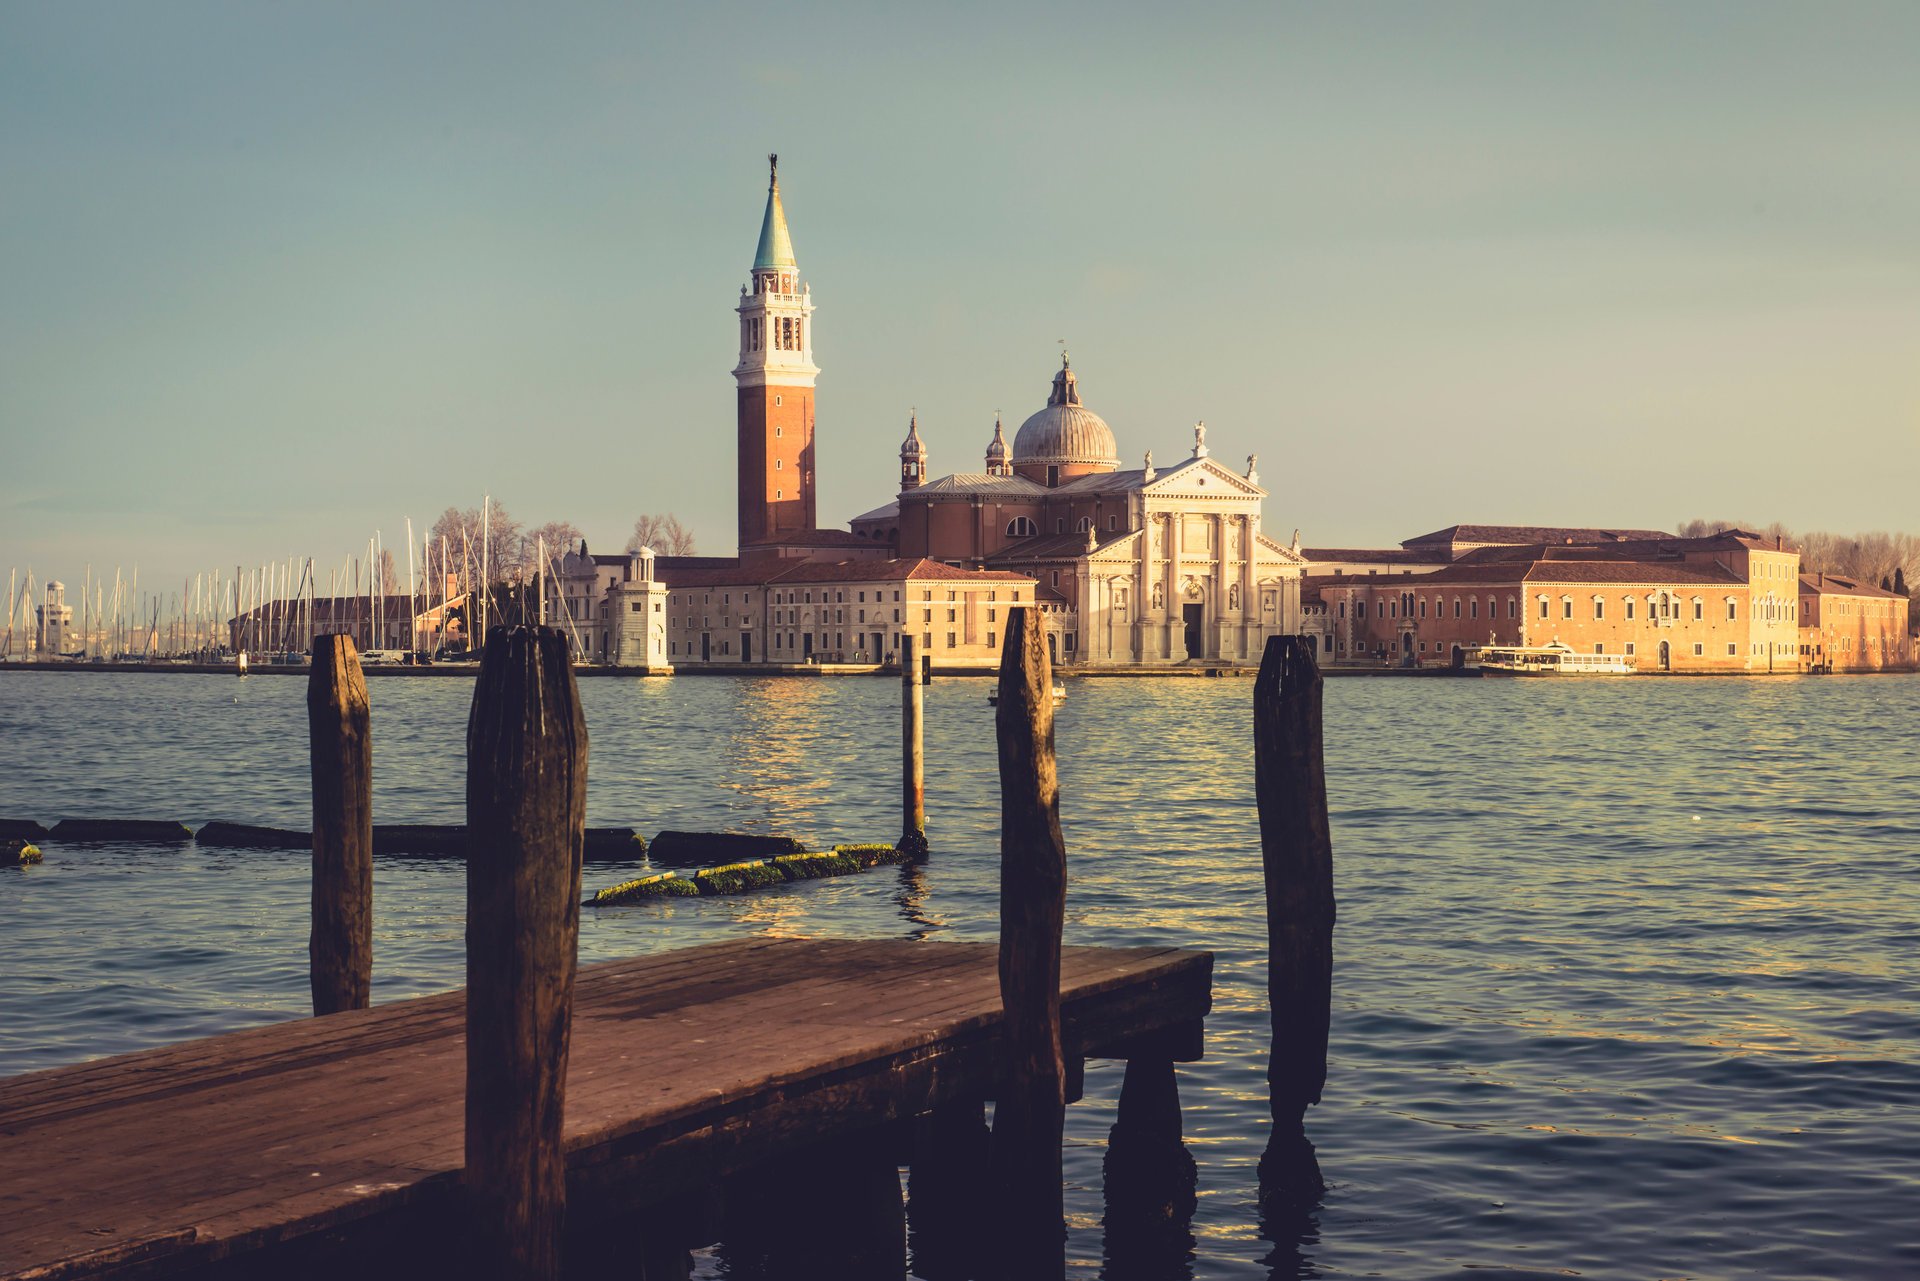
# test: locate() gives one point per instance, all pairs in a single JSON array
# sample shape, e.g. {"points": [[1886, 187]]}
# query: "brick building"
{"points": [[1725, 603], [1850, 626], [847, 612]]}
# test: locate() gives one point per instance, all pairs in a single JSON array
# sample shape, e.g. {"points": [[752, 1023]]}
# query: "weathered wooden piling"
{"points": [[913, 755], [526, 825], [1029, 1112], [1297, 854], [1150, 1176], [340, 748]]}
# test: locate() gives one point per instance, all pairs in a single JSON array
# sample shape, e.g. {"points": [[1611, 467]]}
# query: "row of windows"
{"points": [[1024, 526]]}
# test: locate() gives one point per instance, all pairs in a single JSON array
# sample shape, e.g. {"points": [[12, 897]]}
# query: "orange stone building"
{"points": [[1850, 626], [1725, 603]]}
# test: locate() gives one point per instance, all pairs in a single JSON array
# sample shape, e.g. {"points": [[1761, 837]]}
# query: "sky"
{"points": [[276, 276]]}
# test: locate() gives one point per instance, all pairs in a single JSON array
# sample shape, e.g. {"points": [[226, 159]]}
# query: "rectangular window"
{"points": [[1543, 607], [1731, 651], [1699, 650], [1599, 611], [949, 640], [952, 616], [1629, 604], [1733, 611], [990, 640], [1630, 649], [1599, 648], [1566, 607], [992, 614], [926, 640]]}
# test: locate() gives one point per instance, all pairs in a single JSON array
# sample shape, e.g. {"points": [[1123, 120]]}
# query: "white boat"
{"points": [[1059, 695], [1555, 659]]}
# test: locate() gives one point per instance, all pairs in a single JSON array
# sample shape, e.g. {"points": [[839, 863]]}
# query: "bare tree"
{"points": [[389, 579], [664, 534], [503, 539], [558, 536], [1866, 558]]}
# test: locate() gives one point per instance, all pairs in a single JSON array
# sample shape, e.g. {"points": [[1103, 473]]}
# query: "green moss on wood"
{"points": [[740, 878], [872, 854], [809, 867], [665, 885]]}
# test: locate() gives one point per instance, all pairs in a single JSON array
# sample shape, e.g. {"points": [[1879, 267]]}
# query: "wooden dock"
{"points": [[686, 1066]]}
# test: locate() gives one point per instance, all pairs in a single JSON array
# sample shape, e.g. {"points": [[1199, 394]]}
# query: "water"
{"points": [[1625, 972]]}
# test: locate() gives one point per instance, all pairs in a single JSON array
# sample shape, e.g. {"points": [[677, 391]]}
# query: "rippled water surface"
{"points": [[1625, 973]]}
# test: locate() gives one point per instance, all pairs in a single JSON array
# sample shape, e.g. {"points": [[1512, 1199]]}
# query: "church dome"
{"points": [[1065, 432]]}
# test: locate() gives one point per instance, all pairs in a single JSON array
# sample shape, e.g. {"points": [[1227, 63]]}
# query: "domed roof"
{"points": [[1065, 431]]}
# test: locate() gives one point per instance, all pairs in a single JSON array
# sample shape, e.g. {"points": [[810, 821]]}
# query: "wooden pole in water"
{"points": [[526, 824], [913, 752], [340, 743], [1031, 1108], [1297, 854]]}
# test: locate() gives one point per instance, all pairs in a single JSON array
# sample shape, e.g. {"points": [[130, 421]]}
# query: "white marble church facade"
{"points": [[1139, 566]]}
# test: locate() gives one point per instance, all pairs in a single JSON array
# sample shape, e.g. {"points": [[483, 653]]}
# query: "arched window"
{"points": [[1086, 523], [1021, 527]]}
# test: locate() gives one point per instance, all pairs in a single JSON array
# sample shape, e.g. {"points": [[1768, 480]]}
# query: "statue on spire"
{"points": [[773, 169], [1200, 440]]}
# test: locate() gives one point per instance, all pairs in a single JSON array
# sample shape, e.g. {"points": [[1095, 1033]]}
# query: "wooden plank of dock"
{"points": [[686, 1066]]}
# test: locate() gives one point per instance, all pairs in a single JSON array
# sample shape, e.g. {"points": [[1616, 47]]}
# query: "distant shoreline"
{"points": [[820, 670]]}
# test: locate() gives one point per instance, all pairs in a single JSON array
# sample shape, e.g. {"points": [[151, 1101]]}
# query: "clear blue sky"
{"points": [[274, 276]]}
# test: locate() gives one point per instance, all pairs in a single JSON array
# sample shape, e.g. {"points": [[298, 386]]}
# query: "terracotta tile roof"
{"points": [[817, 538], [1838, 585], [1515, 534], [1379, 555], [1629, 571], [714, 571], [711, 571]]}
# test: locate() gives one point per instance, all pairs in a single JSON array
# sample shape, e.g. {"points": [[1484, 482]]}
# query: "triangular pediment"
{"points": [[1201, 478]]}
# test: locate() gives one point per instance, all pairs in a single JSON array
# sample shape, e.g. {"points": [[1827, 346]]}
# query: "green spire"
{"points": [[776, 247]]}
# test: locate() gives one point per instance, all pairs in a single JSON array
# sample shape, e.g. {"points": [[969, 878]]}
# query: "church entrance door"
{"points": [[1196, 645]]}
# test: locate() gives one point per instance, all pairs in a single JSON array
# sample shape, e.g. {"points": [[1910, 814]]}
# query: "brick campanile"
{"points": [[775, 386]]}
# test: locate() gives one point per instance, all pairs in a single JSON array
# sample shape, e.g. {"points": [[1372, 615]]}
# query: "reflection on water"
{"points": [[1625, 973]]}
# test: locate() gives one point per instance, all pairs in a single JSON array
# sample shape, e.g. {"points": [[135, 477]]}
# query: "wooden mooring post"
{"points": [[1030, 1110], [340, 748], [526, 825], [913, 755], [1297, 854]]}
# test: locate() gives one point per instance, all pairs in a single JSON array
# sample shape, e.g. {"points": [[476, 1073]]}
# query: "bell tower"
{"points": [[774, 382]]}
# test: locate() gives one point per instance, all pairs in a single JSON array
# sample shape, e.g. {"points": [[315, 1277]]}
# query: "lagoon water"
{"points": [[1627, 973]]}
